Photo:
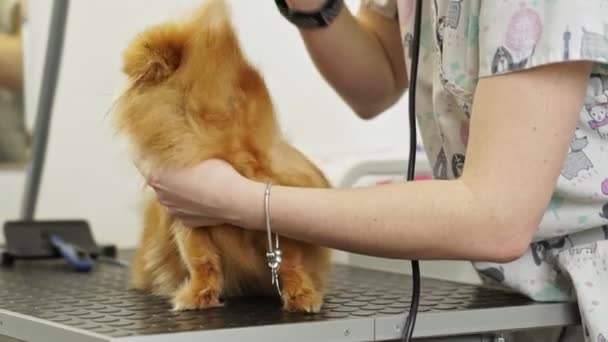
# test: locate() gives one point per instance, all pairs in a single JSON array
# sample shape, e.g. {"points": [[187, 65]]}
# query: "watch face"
{"points": [[331, 10]]}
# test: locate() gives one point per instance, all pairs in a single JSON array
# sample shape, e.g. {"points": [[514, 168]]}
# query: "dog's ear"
{"points": [[214, 14], [212, 30], [155, 54]]}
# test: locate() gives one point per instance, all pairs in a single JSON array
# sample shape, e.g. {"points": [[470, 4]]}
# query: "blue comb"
{"points": [[79, 259]]}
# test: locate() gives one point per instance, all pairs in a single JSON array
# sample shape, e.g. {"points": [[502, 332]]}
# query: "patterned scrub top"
{"points": [[465, 40]]}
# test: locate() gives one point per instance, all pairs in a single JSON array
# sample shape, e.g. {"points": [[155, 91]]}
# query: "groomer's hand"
{"points": [[305, 5], [200, 196]]}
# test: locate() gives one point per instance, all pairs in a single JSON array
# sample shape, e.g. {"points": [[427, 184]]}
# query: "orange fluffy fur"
{"points": [[193, 96]]}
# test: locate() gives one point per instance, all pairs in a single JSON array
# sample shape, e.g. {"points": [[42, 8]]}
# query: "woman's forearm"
{"points": [[361, 57], [420, 220], [11, 62]]}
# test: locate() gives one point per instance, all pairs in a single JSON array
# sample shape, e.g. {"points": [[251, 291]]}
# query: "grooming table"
{"points": [[43, 301]]}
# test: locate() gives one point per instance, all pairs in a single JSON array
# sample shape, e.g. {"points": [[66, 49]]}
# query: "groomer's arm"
{"points": [[360, 57], [521, 127]]}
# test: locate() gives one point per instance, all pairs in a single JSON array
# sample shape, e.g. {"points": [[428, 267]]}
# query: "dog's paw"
{"points": [[302, 299], [188, 298]]}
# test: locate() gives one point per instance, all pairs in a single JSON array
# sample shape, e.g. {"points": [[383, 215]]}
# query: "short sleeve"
{"points": [[387, 8], [516, 35]]}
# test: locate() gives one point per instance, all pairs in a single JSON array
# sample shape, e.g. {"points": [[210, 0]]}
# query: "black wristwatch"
{"points": [[323, 17]]}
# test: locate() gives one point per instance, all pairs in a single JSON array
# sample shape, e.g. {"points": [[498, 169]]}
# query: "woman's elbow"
{"points": [[509, 243], [366, 112], [509, 251], [370, 108]]}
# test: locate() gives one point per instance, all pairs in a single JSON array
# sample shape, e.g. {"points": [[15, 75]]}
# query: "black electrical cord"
{"points": [[410, 322]]}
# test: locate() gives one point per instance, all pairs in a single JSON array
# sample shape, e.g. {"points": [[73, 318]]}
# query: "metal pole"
{"points": [[52, 63]]}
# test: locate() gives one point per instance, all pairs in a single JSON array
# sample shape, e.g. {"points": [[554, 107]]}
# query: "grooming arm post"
{"points": [[46, 99]]}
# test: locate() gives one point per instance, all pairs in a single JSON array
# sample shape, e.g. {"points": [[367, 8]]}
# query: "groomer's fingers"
{"points": [[184, 212], [200, 224], [138, 163], [194, 221], [151, 176]]}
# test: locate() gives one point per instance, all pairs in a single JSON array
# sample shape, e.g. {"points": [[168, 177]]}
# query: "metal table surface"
{"points": [[45, 301]]}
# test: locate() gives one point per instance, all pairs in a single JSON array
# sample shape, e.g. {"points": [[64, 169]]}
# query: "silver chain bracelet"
{"points": [[274, 255]]}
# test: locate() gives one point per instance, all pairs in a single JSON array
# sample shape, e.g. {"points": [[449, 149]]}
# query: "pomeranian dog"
{"points": [[192, 96]]}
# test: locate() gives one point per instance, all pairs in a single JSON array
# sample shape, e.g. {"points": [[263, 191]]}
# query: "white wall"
{"points": [[88, 173]]}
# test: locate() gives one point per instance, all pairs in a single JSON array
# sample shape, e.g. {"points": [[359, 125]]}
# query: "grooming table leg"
{"points": [[464, 338]]}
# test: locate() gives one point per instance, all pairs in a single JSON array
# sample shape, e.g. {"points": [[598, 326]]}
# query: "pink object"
{"points": [[597, 124], [605, 186], [423, 177], [525, 29]]}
